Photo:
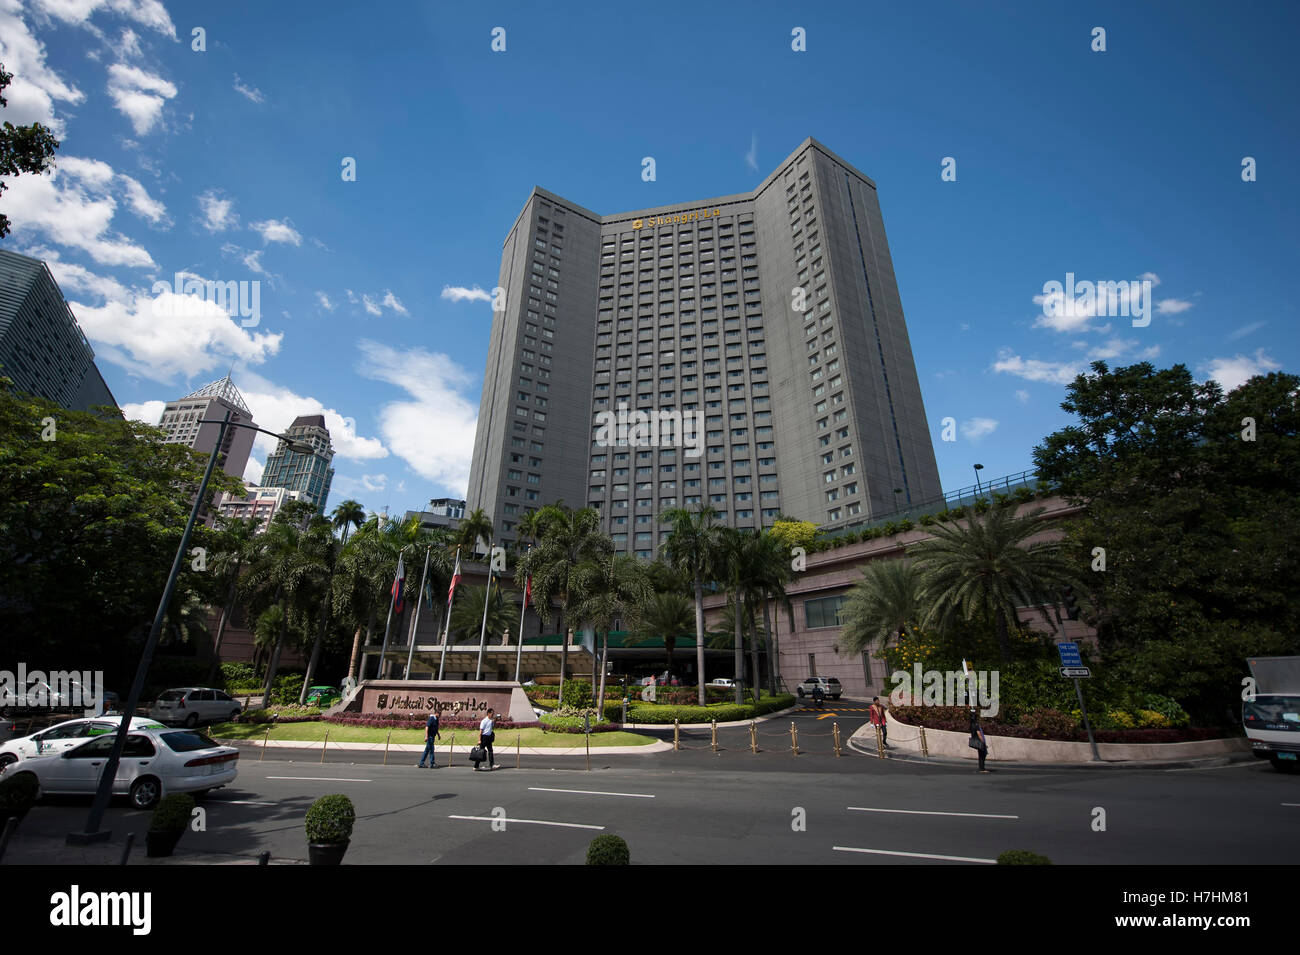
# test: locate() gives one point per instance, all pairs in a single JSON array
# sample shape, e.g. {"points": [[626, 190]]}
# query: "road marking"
{"points": [[327, 779], [531, 822], [915, 855], [1291, 803], [241, 802], [589, 792], [826, 716], [926, 812]]}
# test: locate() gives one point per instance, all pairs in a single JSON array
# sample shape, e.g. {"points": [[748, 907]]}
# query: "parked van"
{"points": [[1272, 718]]}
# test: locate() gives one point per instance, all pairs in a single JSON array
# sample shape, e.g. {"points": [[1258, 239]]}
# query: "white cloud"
{"points": [[352, 296], [751, 157], [142, 204], [391, 301], [1022, 396], [146, 13], [373, 482], [458, 293], [371, 306], [150, 412], [253, 470], [274, 407], [1031, 369], [972, 429], [35, 87], [325, 302], [1232, 372], [250, 92], [129, 43], [434, 432], [1245, 330], [218, 213], [139, 95], [1074, 314], [277, 230], [72, 206], [1172, 306]]}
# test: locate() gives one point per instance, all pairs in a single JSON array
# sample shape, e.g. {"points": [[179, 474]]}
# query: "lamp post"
{"points": [[92, 832], [978, 469]]}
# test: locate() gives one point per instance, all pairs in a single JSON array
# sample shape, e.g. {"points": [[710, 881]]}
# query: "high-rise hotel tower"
{"points": [[771, 318]]}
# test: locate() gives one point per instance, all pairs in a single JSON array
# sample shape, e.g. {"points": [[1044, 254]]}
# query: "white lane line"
{"points": [[915, 855], [1291, 803], [531, 822], [589, 792], [924, 812], [327, 779], [241, 802]]}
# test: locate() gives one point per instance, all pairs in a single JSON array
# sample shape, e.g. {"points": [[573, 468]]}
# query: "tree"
{"points": [[237, 547], [770, 571], [610, 588], [985, 569], [691, 548], [667, 615], [473, 528], [735, 562], [568, 538], [467, 613], [882, 605], [348, 515], [22, 148]]}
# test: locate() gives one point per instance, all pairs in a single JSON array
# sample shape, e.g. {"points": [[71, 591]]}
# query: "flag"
{"points": [[528, 590], [455, 579], [399, 585]]}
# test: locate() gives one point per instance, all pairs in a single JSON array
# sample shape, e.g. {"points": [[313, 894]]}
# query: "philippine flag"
{"points": [[399, 587], [455, 579], [528, 590]]}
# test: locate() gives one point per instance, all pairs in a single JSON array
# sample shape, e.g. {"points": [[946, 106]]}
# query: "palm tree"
{"points": [[882, 605], [567, 539], [238, 546], [771, 572], [348, 515], [529, 526], [321, 544], [608, 589], [467, 614], [477, 526], [691, 548], [734, 558], [667, 615], [364, 581], [985, 569]]}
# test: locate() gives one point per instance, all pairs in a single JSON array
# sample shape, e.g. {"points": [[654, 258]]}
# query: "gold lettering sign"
{"points": [[681, 217]]}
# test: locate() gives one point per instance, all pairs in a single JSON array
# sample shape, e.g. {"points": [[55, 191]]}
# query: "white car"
{"points": [[723, 682], [154, 763], [193, 705], [64, 736]]}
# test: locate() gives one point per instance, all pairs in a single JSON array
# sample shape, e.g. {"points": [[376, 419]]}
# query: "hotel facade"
{"points": [[762, 330]]}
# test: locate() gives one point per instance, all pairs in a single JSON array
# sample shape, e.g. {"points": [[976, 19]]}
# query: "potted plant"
{"points": [[329, 829], [18, 793], [170, 820], [608, 849]]}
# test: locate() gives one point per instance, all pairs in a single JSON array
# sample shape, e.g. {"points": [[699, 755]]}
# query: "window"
{"points": [[823, 612]]}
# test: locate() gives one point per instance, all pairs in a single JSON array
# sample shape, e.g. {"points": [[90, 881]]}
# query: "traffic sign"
{"points": [[1076, 672], [1070, 654]]}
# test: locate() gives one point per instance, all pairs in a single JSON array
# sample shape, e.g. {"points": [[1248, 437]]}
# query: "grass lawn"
{"points": [[315, 732]]}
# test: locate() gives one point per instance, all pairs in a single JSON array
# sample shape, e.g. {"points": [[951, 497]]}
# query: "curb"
{"points": [[256, 746], [1205, 762]]}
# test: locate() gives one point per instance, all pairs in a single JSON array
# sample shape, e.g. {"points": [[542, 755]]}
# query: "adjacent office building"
{"points": [[760, 334], [259, 502], [184, 422], [443, 512], [42, 348], [309, 474]]}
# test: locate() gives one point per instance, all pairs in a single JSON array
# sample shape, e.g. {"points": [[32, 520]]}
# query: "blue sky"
{"points": [[225, 164]]}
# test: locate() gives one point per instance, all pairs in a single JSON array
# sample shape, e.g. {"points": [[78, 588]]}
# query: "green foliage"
{"points": [[237, 675], [1022, 857], [22, 148], [330, 819], [1052, 724], [286, 690], [794, 533], [723, 713], [577, 694], [608, 849], [881, 605], [281, 713], [173, 813]]}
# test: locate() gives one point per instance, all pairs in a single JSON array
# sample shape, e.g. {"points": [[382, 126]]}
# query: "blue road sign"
{"points": [[1070, 654]]}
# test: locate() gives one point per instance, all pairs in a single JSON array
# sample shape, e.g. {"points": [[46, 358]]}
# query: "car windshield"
{"points": [[1279, 712], [187, 741]]}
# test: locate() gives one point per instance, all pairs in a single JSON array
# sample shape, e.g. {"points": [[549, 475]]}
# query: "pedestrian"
{"points": [[818, 695], [977, 741], [485, 738], [430, 734], [878, 720]]}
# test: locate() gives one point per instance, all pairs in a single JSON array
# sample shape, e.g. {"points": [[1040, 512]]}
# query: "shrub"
{"points": [[608, 849], [1051, 724], [282, 714], [927, 520], [330, 819], [1022, 857], [238, 674], [1023, 494], [17, 794], [723, 713], [1148, 719], [1166, 707], [286, 689], [173, 813], [577, 693]]}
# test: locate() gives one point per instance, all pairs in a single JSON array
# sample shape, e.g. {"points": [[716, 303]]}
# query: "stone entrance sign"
{"points": [[462, 699]]}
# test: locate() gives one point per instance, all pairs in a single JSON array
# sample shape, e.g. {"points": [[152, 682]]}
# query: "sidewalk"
{"points": [[502, 748]]}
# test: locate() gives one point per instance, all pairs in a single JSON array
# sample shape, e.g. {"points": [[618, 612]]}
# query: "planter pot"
{"points": [[326, 853], [162, 842]]}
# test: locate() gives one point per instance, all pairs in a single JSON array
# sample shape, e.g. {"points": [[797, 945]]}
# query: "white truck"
{"points": [[1271, 714]]}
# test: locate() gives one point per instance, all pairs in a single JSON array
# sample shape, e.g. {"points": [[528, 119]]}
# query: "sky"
{"points": [[356, 169]]}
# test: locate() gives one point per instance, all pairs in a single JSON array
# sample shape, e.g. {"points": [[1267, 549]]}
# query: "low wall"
{"points": [[1010, 749], [451, 698]]}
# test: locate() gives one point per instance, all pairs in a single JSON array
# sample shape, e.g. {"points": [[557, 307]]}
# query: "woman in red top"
{"points": [[878, 719]]}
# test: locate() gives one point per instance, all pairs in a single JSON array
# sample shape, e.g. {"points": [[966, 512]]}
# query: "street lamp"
{"points": [[92, 832], [978, 469]]}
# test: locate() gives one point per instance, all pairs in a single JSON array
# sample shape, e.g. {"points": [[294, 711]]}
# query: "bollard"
{"points": [[835, 730], [126, 849], [518, 733], [677, 734], [794, 740], [715, 735], [323, 747], [264, 858], [10, 826], [265, 739], [753, 737], [451, 750], [880, 744], [588, 734], [925, 750], [386, 742]]}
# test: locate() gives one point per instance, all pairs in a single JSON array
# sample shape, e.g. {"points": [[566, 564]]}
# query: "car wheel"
{"points": [[233, 716], [7, 759], [1285, 766], [192, 720], [145, 792]]}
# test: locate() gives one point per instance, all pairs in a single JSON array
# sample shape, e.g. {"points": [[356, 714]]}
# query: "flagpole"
{"points": [[523, 612], [392, 599], [451, 595], [410, 653], [482, 635]]}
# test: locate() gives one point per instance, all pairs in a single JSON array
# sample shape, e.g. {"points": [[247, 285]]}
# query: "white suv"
{"points": [[192, 705], [829, 684]]}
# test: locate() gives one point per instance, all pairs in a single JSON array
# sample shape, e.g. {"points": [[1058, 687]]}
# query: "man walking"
{"points": [[430, 734], [878, 720], [977, 740], [485, 738]]}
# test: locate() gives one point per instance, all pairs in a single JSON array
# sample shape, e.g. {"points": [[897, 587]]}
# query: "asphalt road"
{"points": [[697, 806]]}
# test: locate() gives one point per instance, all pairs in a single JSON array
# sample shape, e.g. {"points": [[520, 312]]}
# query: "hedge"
{"points": [[725, 713], [1045, 724]]}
